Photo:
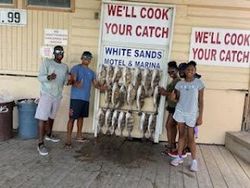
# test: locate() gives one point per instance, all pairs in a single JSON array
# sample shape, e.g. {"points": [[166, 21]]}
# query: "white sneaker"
{"points": [[176, 161], [194, 166], [52, 138], [42, 150]]}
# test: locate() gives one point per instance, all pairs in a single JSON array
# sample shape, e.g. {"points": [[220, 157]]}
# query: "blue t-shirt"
{"points": [[85, 75]]}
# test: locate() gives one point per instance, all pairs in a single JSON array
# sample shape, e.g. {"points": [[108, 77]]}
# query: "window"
{"points": [[51, 4], [7, 3]]}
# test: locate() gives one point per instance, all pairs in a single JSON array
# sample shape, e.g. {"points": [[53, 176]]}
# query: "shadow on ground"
{"points": [[119, 150]]}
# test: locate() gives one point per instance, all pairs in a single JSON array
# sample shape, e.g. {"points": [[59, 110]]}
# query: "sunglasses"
{"points": [[171, 72], [86, 58], [59, 52]]}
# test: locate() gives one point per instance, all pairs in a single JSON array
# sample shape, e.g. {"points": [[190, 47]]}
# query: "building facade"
{"points": [[21, 46]]}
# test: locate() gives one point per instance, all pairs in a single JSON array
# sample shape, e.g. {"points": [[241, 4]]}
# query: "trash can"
{"points": [[27, 124], [6, 120]]}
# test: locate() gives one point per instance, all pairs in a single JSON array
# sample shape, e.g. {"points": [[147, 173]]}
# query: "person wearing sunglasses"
{"points": [[170, 123], [53, 75], [82, 79]]}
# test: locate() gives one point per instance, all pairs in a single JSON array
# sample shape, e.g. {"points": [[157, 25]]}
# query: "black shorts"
{"points": [[78, 109], [170, 110]]}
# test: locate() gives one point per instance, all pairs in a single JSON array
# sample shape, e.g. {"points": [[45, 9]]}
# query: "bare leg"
{"points": [[50, 127], [79, 128], [41, 125], [191, 142], [171, 130], [69, 131], [181, 141]]}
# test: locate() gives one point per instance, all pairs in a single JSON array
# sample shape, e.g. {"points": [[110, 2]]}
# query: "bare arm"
{"points": [[200, 105], [97, 85]]}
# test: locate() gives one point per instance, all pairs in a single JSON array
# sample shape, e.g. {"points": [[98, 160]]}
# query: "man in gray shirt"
{"points": [[53, 75]]}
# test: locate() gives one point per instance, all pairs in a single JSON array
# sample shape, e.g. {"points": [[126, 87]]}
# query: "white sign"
{"points": [[222, 47], [56, 37], [46, 51], [135, 23], [136, 35], [133, 57], [13, 17]]}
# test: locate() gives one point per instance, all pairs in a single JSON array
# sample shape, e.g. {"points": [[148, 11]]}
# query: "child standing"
{"points": [[171, 123], [82, 78], [189, 112]]}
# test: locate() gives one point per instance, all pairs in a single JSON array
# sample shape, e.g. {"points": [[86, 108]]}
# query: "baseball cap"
{"points": [[86, 55]]}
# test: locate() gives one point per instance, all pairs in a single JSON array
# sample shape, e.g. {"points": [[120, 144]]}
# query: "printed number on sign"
{"points": [[14, 17]]}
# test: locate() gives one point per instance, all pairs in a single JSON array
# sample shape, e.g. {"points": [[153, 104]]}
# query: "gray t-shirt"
{"points": [[189, 92], [53, 88]]}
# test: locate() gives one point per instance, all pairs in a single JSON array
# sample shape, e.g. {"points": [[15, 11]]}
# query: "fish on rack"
{"points": [[131, 94], [115, 95], [108, 121], [117, 74], [102, 75], [110, 74], [151, 125], [140, 96], [129, 123], [144, 123], [146, 81], [137, 78], [156, 97], [108, 96], [122, 96], [114, 122], [156, 77], [127, 76], [100, 120], [121, 124]]}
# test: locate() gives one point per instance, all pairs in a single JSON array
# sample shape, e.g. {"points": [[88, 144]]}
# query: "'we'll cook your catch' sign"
{"points": [[222, 47], [135, 35]]}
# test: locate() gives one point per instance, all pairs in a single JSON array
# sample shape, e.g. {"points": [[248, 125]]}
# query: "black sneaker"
{"points": [[52, 138], [42, 150]]}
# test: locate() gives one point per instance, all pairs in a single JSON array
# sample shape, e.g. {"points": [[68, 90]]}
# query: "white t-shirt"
{"points": [[189, 92]]}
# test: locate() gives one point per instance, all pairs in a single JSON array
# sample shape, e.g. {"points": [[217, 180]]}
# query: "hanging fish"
{"points": [[137, 78], [114, 122], [121, 124], [100, 120], [131, 94], [129, 123], [127, 76], [146, 81], [122, 96], [156, 77], [108, 120], [102, 75], [110, 74], [108, 96], [140, 97], [144, 123], [151, 125], [117, 74], [156, 97], [115, 95]]}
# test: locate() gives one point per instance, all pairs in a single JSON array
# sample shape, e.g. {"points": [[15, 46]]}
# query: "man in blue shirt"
{"points": [[82, 78]]}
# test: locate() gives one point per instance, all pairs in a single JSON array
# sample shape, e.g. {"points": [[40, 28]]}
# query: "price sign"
{"points": [[15, 17]]}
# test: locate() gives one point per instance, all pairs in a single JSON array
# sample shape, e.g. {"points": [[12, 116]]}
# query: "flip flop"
{"points": [[67, 146], [82, 140]]}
